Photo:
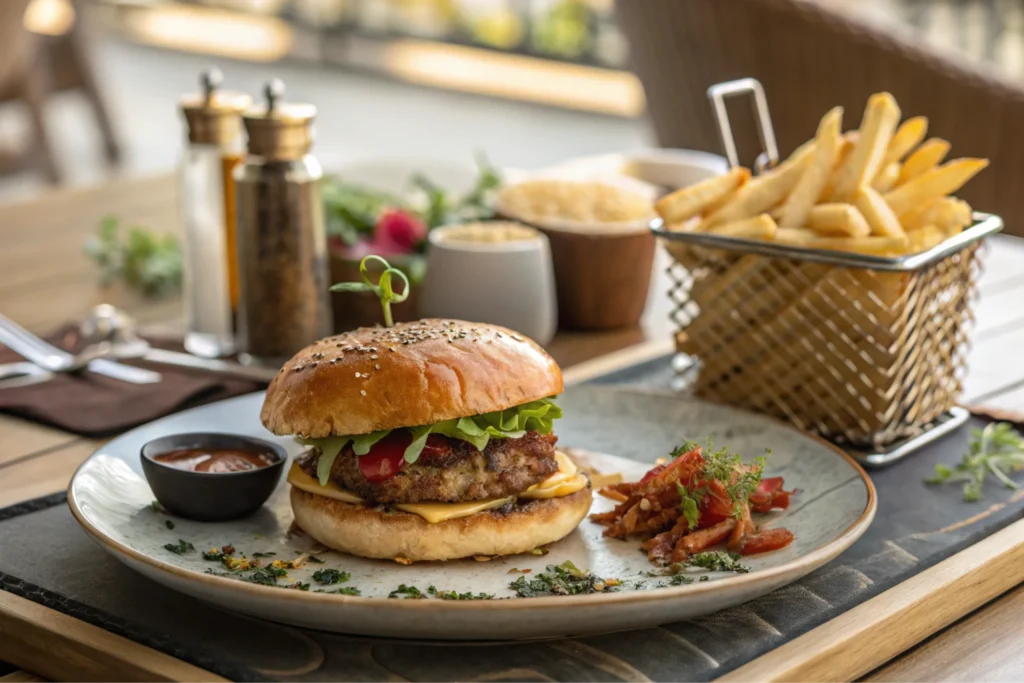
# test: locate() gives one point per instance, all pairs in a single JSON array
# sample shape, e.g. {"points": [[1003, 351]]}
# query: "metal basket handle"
{"points": [[745, 86]]}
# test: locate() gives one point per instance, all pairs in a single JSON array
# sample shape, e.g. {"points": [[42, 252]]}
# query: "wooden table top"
{"points": [[45, 281]]}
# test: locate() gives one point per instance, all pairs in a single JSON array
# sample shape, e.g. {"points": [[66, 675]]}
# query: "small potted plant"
{"points": [[361, 221]]}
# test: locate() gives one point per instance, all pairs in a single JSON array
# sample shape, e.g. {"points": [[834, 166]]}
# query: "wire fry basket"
{"points": [[863, 350]]}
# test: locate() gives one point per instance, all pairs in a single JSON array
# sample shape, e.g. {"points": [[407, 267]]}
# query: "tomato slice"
{"points": [[387, 457], [766, 540]]}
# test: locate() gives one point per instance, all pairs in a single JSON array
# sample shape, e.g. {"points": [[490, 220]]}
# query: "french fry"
{"points": [[945, 179], [758, 228], [841, 219], [811, 184], [877, 213], [796, 237], [848, 142], [887, 177], [949, 214], [764, 191], [925, 238], [693, 200], [908, 136], [924, 158], [880, 118], [874, 245]]}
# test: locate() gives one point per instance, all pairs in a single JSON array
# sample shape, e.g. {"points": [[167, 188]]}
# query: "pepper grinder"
{"points": [[214, 119], [282, 247]]}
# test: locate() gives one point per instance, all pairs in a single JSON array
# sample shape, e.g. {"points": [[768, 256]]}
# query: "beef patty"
{"points": [[452, 471]]}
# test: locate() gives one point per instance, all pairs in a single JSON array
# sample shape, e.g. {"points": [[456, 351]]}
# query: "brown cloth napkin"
{"points": [[93, 405]]}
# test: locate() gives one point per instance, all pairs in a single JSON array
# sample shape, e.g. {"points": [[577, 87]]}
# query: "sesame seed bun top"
{"points": [[411, 374]]}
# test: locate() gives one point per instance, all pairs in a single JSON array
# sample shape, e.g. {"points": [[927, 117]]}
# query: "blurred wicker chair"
{"points": [[810, 58]]}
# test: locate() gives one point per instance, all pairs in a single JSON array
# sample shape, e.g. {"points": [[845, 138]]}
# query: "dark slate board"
{"points": [[47, 558]]}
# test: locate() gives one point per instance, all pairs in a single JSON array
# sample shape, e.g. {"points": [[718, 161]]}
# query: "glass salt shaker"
{"points": [[282, 247], [207, 195]]}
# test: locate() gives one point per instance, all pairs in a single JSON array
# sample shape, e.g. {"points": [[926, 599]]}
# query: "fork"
{"points": [[48, 356]]}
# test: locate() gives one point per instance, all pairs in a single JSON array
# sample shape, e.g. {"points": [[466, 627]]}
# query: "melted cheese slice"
{"points": [[300, 480], [567, 480]]}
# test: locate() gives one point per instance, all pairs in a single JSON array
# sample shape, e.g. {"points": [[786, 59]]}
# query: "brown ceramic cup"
{"points": [[602, 269]]}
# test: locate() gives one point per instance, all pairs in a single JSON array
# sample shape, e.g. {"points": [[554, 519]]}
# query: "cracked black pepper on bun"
{"points": [[429, 440]]}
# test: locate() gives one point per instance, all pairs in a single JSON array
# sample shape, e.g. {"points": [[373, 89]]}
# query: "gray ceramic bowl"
{"points": [[206, 496]]}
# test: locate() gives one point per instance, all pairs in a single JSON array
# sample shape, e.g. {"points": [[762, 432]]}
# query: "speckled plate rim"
{"points": [[812, 559]]}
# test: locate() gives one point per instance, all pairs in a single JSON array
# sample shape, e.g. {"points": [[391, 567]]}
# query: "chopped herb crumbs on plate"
{"points": [[410, 593], [263, 554], [155, 506], [327, 577], [717, 561], [299, 586], [316, 560], [169, 524], [452, 595], [344, 590], [180, 548], [562, 579]]}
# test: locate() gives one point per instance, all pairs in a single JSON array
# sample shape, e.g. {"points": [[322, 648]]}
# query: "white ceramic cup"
{"points": [[498, 273]]}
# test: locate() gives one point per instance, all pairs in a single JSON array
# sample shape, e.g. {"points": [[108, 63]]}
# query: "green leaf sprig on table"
{"points": [[148, 263], [997, 449]]}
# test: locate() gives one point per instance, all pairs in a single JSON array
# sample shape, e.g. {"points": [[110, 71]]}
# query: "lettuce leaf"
{"points": [[513, 423]]}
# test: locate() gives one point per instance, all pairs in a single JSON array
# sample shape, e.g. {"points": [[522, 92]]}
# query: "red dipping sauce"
{"points": [[215, 460]]}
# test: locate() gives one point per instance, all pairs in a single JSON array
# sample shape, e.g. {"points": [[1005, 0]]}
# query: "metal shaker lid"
{"points": [[213, 114], [279, 130]]}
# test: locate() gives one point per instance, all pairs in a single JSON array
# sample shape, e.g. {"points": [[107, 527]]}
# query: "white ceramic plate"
{"points": [[835, 505]]}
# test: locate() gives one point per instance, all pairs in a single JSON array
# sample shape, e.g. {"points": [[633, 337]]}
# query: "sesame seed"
{"points": [[362, 392], [373, 357], [376, 366]]}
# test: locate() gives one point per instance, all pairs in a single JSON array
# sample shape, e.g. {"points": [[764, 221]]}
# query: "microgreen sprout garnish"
{"points": [[383, 289], [180, 548], [997, 449]]}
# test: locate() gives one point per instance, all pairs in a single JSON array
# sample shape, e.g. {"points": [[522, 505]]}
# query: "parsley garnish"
{"points": [[327, 577], [180, 548], [997, 449], [562, 579], [680, 580], [155, 506], [717, 561], [299, 586], [169, 524], [410, 593], [452, 595], [690, 502]]}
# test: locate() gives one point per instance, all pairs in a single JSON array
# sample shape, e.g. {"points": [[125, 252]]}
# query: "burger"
{"points": [[429, 440]]}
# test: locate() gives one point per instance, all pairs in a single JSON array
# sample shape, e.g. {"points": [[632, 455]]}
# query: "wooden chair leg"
{"points": [[34, 88], [86, 80]]}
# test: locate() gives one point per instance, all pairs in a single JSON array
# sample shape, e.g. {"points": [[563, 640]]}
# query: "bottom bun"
{"points": [[390, 534]]}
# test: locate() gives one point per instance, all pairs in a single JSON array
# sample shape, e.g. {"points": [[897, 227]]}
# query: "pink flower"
{"points": [[398, 232]]}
